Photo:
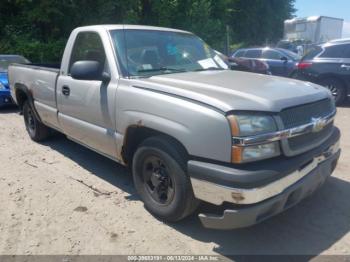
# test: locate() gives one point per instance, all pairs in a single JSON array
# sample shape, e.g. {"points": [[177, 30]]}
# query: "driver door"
{"points": [[277, 65], [87, 107]]}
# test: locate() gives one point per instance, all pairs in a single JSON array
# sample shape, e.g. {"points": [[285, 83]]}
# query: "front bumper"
{"points": [[253, 205]]}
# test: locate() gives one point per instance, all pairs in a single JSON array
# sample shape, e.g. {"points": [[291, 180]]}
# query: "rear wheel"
{"points": [[337, 89], [161, 181], [36, 130]]}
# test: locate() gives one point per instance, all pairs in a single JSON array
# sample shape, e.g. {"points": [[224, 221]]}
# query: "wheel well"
{"points": [[21, 97], [135, 135]]}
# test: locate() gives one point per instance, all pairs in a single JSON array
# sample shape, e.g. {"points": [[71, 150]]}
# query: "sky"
{"points": [[333, 8]]}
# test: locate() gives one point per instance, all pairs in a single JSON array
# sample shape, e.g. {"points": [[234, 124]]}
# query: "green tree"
{"points": [[38, 29], [256, 22]]}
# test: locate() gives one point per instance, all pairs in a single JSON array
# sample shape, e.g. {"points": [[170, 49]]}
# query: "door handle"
{"points": [[347, 67], [65, 90]]}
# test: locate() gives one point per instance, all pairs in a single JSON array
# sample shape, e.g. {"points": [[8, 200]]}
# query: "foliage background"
{"points": [[38, 29]]}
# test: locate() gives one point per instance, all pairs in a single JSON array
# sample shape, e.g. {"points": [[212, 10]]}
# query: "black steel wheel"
{"points": [[161, 181], [36, 130], [29, 119], [157, 180]]}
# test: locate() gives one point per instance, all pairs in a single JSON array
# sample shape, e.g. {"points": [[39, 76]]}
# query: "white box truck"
{"points": [[313, 29]]}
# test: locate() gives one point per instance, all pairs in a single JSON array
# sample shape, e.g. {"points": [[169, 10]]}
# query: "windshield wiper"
{"points": [[210, 68], [161, 69]]}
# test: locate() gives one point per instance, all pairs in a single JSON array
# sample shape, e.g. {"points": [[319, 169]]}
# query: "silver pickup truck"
{"points": [[163, 103]]}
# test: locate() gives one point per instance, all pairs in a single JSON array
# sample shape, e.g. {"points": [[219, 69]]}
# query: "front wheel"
{"points": [[36, 130], [337, 89], [161, 181]]}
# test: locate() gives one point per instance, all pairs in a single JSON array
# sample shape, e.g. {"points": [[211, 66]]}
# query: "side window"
{"points": [[335, 51], [239, 53], [253, 53], [270, 54], [88, 46]]}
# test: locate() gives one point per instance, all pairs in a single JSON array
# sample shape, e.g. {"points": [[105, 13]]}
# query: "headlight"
{"points": [[243, 125], [2, 87], [251, 125]]}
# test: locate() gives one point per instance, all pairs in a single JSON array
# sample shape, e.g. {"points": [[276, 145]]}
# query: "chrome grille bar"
{"points": [[311, 127]]}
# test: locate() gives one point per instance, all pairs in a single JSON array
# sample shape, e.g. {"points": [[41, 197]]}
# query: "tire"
{"points": [[337, 88], [36, 130], [159, 173]]}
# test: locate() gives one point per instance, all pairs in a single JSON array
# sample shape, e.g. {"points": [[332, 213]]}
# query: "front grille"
{"points": [[301, 115], [301, 142]]}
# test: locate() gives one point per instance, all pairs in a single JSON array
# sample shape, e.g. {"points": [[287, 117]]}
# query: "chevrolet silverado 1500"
{"points": [[163, 103]]}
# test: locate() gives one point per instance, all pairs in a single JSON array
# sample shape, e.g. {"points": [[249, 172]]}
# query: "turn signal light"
{"points": [[236, 155]]}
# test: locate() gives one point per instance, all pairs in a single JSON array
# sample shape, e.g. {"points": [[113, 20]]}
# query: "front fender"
{"points": [[203, 131]]}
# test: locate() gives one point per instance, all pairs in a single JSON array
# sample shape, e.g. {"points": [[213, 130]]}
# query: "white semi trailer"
{"points": [[313, 29]]}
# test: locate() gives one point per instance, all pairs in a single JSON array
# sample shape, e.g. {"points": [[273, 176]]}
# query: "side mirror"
{"points": [[284, 59], [88, 70], [106, 77]]}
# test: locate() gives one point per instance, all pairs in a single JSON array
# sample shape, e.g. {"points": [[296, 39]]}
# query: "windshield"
{"points": [[144, 53], [5, 61], [312, 52]]}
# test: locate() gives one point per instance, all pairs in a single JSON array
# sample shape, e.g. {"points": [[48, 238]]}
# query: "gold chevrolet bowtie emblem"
{"points": [[318, 124]]}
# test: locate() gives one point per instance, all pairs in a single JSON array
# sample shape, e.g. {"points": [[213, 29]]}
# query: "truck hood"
{"points": [[233, 90]]}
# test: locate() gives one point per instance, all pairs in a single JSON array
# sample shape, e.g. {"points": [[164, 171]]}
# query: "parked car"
{"points": [[300, 47], [160, 101], [288, 45], [5, 61], [245, 65], [282, 62], [249, 65], [328, 65]]}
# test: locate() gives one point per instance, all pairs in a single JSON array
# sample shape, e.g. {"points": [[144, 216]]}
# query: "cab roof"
{"points": [[134, 27]]}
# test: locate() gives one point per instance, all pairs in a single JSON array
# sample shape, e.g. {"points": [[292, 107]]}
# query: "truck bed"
{"points": [[38, 66], [40, 80]]}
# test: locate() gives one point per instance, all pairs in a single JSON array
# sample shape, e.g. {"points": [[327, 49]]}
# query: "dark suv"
{"points": [[328, 65]]}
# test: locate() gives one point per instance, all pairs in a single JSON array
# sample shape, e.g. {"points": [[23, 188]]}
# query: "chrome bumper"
{"points": [[217, 194], [256, 205]]}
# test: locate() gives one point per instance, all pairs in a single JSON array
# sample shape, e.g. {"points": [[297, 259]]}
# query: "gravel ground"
{"points": [[60, 198]]}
